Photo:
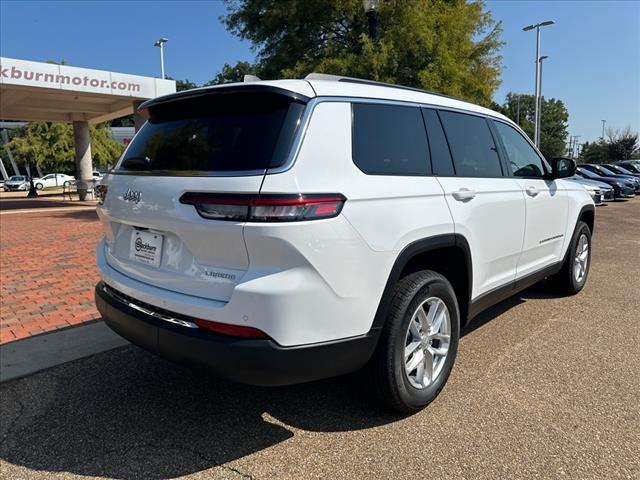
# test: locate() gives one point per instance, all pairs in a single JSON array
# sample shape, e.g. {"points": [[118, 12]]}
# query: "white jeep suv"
{"points": [[284, 231]]}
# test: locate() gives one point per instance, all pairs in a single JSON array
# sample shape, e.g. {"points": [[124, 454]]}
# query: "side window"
{"points": [[523, 159], [472, 147], [389, 140], [440, 157]]}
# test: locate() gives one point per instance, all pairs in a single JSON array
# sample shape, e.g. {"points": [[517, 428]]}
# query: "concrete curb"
{"points": [[28, 356]]}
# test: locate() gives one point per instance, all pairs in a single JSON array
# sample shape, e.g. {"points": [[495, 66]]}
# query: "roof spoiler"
{"points": [[254, 87]]}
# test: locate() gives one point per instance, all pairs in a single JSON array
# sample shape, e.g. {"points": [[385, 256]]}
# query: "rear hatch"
{"points": [[219, 140]]}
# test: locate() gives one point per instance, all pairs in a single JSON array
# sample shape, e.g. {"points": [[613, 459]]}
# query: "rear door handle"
{"points": [[464, 194], [532, 191]]}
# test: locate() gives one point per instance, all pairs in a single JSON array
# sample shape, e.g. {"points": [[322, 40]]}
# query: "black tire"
{"points": [[565, 281], [39, 186], [388, 366]]}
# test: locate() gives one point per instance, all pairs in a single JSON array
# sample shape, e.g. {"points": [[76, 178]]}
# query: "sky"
{"points": [[593, 49]]}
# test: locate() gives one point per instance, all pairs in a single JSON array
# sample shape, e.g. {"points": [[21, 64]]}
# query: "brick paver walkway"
{"points": [[47, 271]]}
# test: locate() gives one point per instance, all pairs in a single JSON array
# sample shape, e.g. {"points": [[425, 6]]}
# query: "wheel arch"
{"points": [[587, 215], [447, 254]]}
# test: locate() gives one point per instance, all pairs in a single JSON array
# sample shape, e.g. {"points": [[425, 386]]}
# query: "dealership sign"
{"points": [[64, 77]]}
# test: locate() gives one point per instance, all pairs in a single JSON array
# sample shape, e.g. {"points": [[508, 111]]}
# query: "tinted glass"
{"points": [[587, 173], [606, 171], [523, 159], [389, 140], [441, 162], [216, 132], [472, 146]]}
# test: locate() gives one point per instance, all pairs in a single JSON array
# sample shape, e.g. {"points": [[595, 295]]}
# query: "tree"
{"points": [[105, 150], [231, 74], [553, 124], [185, 84], [442, 45], [622, 145], [594, 152], [51, 146]]}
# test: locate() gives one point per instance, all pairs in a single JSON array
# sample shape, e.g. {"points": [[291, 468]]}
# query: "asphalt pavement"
{"points": [[543, 387]]}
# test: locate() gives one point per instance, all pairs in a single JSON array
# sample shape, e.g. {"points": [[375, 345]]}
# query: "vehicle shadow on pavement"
{"points": [[541, 290], [128, 414]]}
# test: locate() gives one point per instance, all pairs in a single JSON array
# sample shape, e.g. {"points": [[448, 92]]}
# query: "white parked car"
{"points": [[52, 180], [284, 231]]}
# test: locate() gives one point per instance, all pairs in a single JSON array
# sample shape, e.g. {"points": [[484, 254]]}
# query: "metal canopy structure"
{"points": [[61, 93]]}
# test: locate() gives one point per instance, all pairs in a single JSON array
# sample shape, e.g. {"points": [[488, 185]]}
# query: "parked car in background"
{"points": [[51, 180], [594, 188], [97, 175], [631, 165], [606, 172], [622, 170], [621, 188], [16, 183]]}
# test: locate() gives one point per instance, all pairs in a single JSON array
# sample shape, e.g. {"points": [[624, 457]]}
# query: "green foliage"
{"points": [[185, 84], [619, 145], [595, 152], [622, 145], [105, 150], [231, 74], [553, 125], [449, 46], [51, 146]]}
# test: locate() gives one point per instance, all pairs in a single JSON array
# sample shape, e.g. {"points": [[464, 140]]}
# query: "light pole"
{"points": [[526, 29], [603, 122], [539, 105], [160, 43], [371, 10]]}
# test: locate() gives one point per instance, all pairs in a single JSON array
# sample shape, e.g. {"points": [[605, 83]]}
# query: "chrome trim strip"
{"points": [[114, 294]]}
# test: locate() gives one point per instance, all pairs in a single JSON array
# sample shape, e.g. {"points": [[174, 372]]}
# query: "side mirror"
{"points": [[562, 168]]}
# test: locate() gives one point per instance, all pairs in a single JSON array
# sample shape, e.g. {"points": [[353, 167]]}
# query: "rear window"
{"points": [[389, 140], [215, 133]]}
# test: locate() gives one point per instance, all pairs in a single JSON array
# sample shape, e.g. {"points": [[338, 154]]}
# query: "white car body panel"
{"points": [[493, 222], [545, 233], [318, 281]]}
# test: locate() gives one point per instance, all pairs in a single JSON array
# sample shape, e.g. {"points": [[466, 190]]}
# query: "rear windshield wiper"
{"points": [[136, 163]]}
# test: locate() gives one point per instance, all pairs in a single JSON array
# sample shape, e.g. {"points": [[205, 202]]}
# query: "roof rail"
{"points": [[338, 78]]}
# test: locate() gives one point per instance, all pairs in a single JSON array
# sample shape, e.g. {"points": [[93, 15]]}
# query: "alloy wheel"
{"points": [[427, 342], [581, 259]]}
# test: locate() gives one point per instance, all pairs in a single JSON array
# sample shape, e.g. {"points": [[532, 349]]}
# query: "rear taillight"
{"points": [[265, 208], [101, 193], [230, 330]]}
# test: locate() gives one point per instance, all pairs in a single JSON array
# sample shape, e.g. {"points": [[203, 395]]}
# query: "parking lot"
{"points": [[543, 387]]}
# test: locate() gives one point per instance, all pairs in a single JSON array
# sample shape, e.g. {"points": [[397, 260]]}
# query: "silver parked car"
{"points": [[16, 183], [607, 194]]}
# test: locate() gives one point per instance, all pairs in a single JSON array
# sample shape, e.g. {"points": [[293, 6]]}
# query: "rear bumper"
{"points": [[256, 362]]}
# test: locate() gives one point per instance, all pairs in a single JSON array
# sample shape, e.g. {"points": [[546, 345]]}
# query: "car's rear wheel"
{"points": [[573, 276], [418, 343]]}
